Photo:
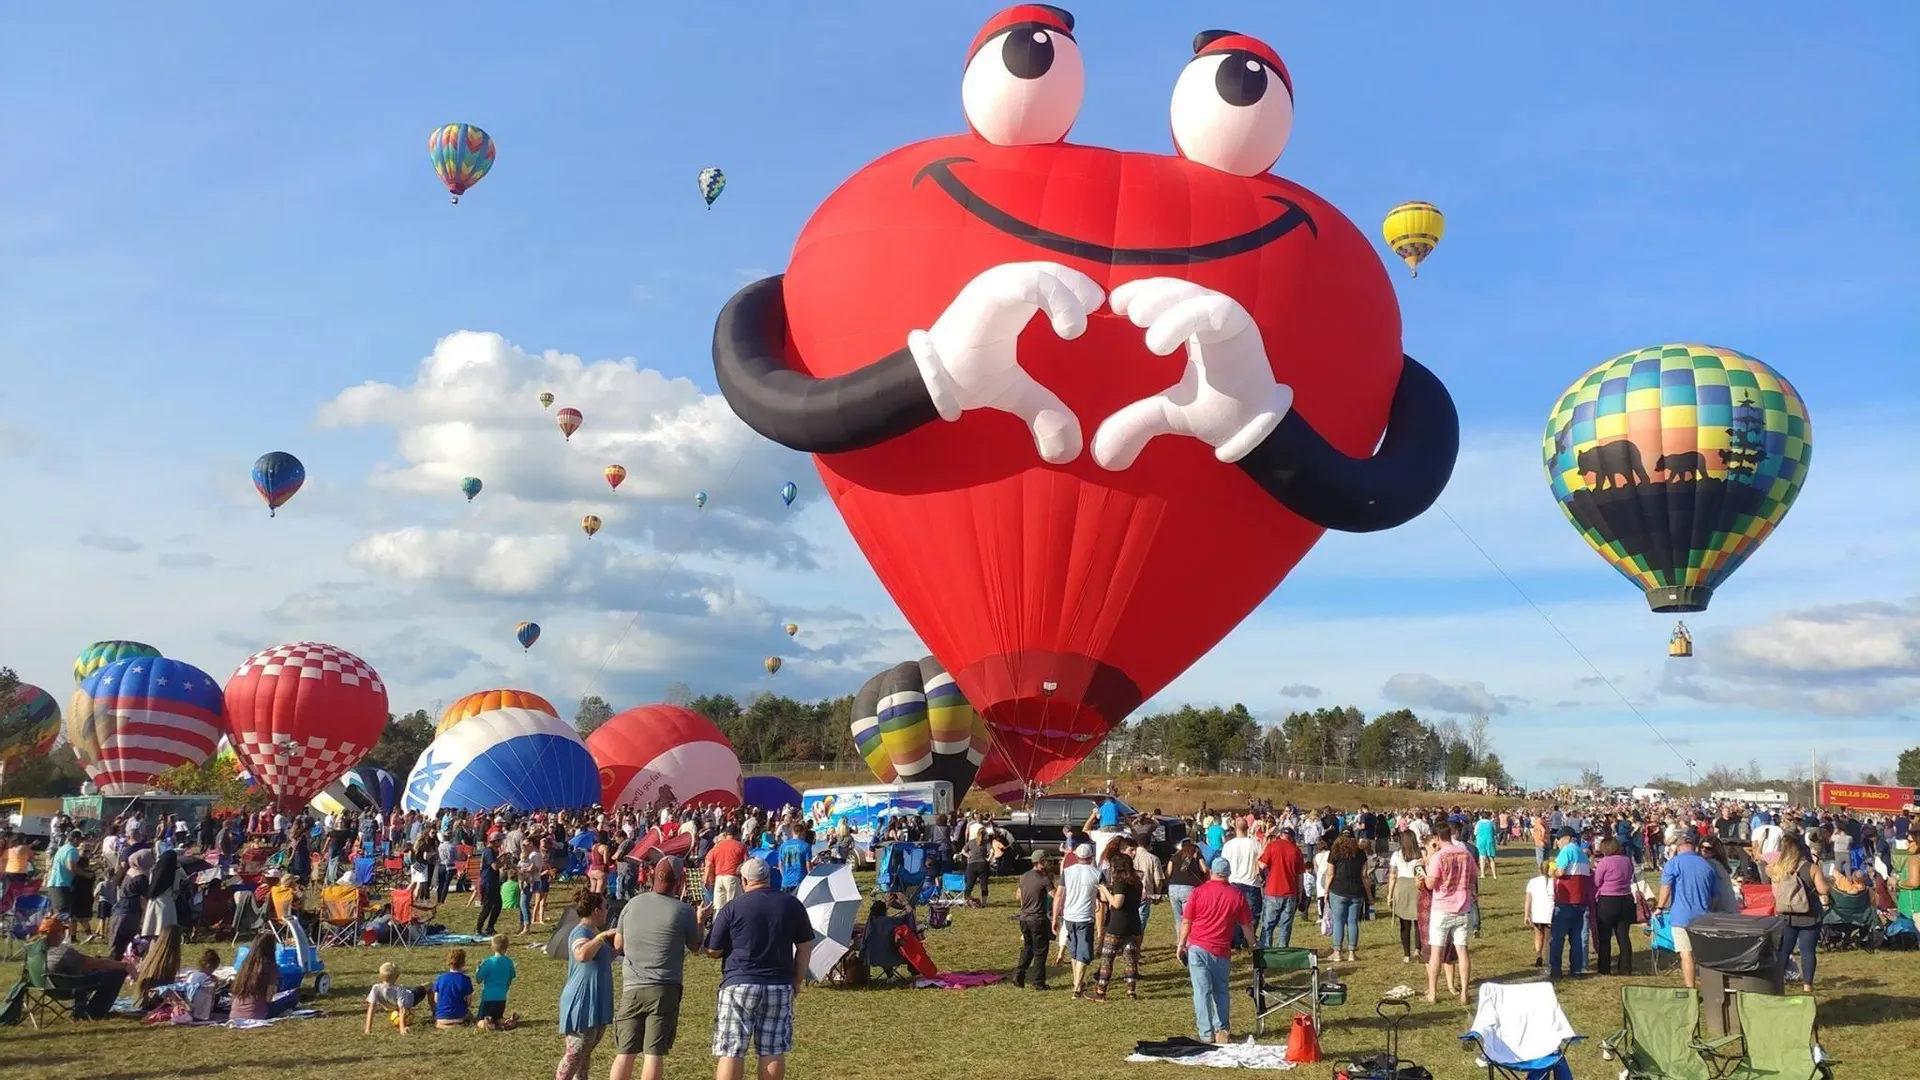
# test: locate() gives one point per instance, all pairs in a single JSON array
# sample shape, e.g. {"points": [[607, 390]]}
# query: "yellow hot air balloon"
{"points": [[773, 664], [1413, 230], [546, 399], [614, 474], [590, 525], [792, 629]]}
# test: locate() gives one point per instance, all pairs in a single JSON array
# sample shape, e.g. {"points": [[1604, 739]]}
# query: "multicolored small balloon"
{"points": [[712, 183], [461, 155], [788, 492], [470, 486], [615, 474], [546, 399], [570, 421], [590, 525], [699, 500], [526, 634], [772, 665], [1413, 230], [277, 477], [792, 629]]}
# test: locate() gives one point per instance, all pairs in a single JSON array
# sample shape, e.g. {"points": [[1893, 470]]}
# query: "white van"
{"points": [[866, 810]]}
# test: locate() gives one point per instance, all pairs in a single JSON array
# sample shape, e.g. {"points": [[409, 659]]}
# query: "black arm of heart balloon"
{"points": [[1397, 484], [881, 401], [887, 399]]}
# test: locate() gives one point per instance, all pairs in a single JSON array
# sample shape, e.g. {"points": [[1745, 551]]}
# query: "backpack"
{"points": [[1790, 895]]}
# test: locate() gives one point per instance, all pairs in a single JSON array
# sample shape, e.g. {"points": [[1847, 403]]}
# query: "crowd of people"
{"points": [[650, 887]]}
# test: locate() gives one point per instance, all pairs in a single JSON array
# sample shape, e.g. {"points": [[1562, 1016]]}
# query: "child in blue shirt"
{"points": [[451, 991], [495, 975]]}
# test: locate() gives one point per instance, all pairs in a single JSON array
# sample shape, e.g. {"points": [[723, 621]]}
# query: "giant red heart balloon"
{"points": [[1062, 596]]}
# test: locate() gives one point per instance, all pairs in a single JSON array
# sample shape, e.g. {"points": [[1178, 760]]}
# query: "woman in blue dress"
{"points": [[586, 1001]]}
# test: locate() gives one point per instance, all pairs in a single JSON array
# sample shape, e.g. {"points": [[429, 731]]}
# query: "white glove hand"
{"points": [[969, 361], [1227, 398]]}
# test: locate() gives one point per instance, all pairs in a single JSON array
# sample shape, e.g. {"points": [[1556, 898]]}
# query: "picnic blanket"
{"points": [[959, 980], [1246, 1055], [443, 938]]}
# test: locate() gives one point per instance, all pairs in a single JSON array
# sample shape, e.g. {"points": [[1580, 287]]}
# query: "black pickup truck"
{"points": [[1043, 827]]}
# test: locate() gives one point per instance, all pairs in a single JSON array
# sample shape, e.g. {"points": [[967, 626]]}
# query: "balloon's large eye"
{"points": [[1023, 86], [1232, 110]]}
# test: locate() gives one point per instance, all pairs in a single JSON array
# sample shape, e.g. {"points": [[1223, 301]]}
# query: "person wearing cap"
{"points": [[656, 933], [99, 980], [1074, 904], [1213, 915], [1572, 900], [1035, 890], [764, 940], [1688, 887]]}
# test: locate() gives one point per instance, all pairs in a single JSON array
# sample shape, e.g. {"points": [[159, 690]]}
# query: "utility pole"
{"points": [[1813, 778]]}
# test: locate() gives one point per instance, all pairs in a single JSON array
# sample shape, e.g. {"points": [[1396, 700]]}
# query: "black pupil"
{"points": [[1028, 54], [1240, 79]]}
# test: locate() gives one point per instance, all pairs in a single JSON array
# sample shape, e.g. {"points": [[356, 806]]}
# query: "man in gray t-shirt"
{"points": [[656, 933]]}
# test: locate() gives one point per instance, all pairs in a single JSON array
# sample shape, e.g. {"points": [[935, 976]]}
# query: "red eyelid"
{"points": [[1243, 43], [1029, 14]]}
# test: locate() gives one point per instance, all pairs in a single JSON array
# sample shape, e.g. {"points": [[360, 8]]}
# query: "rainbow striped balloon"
{"points": [[461, 155]]}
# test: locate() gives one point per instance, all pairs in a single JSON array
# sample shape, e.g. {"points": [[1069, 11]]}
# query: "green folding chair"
{"points": [[1656, 1039], [1778, 1037], [1284, 979]]}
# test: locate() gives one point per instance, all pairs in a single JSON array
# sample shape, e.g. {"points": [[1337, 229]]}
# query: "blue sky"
{"points": [[212, 224]]}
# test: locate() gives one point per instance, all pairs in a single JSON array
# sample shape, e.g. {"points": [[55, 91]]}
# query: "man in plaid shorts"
{"points": [[764, 939]]}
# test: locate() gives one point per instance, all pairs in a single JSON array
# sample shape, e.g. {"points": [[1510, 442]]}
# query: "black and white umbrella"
{"points": [[832, 900]]}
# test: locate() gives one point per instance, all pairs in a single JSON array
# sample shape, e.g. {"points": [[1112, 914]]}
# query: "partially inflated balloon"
{"points": [[1413, 230], [661, 754], [526, 634], [569, 421], [911, 722], [590, 525], [546, 399], [136, 718], [1675, 462], [614, 474], [29, 723], [461, 155], [470, 486], [277, 476], [521, 759], [488, 700], [101, 653]]}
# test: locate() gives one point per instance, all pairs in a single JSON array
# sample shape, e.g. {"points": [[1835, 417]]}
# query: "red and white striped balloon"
{"points": [[300, 715], [664, 751]]}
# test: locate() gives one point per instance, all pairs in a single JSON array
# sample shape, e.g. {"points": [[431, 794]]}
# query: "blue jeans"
{"points": [[1276, 913], [1569, 926], [1209, 976], [1146, 909], [1345, 914], [1251, 894]]}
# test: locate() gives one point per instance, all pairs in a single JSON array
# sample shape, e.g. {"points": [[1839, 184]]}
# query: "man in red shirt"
{"points": [[723, 868], [1280, 863], [1214, 911]]}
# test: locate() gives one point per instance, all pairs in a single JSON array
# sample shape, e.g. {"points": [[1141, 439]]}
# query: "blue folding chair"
{"points": [[363, 871], [1521, 1033], [24, 920]]}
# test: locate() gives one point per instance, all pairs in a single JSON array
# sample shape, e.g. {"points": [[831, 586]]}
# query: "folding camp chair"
{"points": [[24, 920], [339, 915], [1656, 1040], [1850, 920], [407, 928], [953, 889], [285, 901], [1756, 898], [1777, 1040], [47, 991], [363, 871], [1660, 950], [1284, 978], [1520, 1032], [247, 916]]}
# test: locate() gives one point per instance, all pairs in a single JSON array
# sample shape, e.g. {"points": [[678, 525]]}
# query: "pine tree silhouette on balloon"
{"points": [[1746, 442]]}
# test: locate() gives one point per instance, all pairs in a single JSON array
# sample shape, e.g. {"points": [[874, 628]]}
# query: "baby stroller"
{"points": [[298, 955]]}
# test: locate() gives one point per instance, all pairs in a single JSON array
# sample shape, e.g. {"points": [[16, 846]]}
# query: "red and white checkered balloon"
{"points": [[300, 715]]}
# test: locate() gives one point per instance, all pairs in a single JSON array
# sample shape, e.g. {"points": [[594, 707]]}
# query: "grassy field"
{"points": [[1869, 1009]]}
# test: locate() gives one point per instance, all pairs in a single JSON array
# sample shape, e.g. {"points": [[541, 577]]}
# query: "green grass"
{"points": [[1869, 1011]]}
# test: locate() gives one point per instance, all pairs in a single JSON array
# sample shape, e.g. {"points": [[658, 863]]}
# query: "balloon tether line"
{"points": [[673, 563], [1551, 625]]}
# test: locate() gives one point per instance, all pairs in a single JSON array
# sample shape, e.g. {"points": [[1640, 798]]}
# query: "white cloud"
{"points": [[1847, 660], [1300, 690], [1423, 691], [119, 545]]}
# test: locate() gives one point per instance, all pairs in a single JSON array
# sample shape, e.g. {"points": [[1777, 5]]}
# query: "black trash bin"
{"points": [[1736, 954]]}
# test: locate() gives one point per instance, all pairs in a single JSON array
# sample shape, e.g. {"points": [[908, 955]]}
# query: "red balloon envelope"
{"points": [[1128, 475], [664, 753], [300, 715]]}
